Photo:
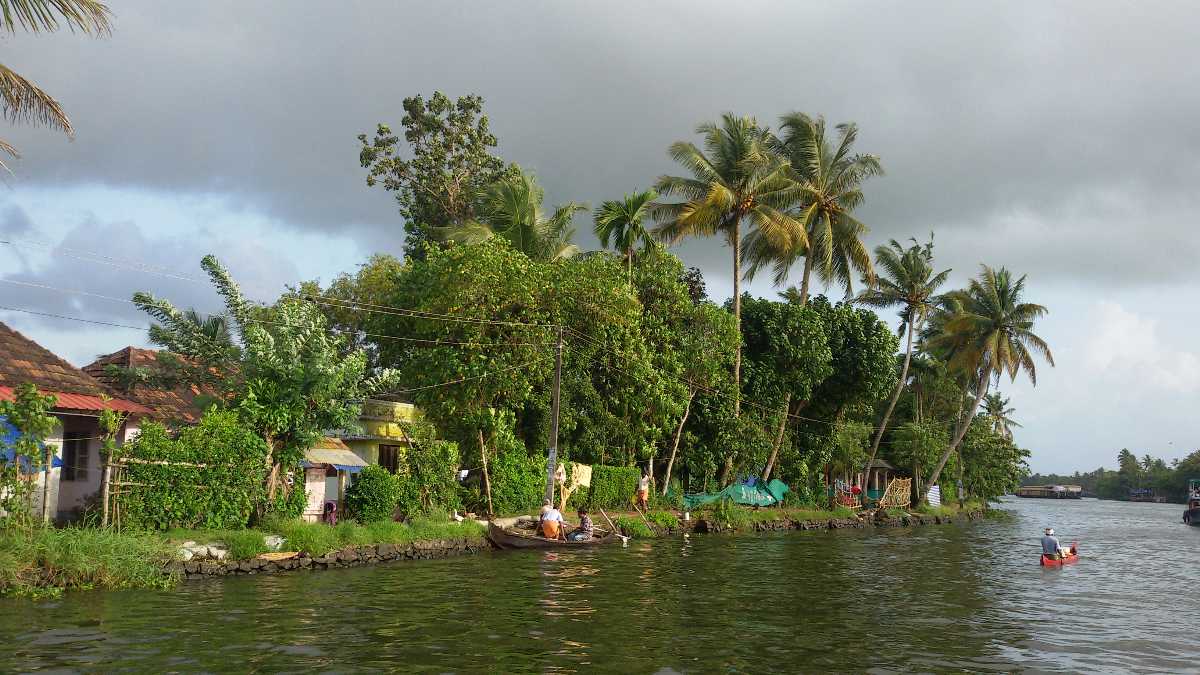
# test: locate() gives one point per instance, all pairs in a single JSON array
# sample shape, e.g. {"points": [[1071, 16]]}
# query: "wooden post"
{"points": [[552, 453], [342, 490], [105, 492], [487, 482]]}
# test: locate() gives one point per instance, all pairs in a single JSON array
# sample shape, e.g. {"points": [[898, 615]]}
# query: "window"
{"points": [[75, 456], [389, 457]]}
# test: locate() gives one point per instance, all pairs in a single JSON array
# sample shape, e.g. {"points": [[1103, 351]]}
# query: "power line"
{"points": [[427, 341], [461, 379], [147, 268], [70, 318]]}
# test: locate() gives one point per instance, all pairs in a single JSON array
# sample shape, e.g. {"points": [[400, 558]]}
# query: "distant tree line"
{"points": [[1167, 480]]}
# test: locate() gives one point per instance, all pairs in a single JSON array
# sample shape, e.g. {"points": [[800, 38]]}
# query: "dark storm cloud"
{"points": [[1072, 126]]}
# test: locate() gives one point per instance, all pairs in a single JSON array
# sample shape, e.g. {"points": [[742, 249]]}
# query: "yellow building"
{"points": [[380, 439]]}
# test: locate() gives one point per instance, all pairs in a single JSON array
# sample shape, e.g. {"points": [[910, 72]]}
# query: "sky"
{"points": [[1057, 139]]}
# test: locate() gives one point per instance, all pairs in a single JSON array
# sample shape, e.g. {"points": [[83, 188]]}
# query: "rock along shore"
{"points": [[356, 556]]}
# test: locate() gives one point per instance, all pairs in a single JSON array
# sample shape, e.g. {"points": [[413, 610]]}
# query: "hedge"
{"points": [[613, 487], [211, 475]]}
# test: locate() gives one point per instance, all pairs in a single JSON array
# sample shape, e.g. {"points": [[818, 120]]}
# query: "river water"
{"points": [[968, 597]]}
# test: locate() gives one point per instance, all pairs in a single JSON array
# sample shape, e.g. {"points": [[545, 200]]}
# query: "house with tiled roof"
{"points": [[181, 404], [80, 398]]}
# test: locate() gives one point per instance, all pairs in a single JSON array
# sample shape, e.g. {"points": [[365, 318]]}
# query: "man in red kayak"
{"points": [[1050, 546]]}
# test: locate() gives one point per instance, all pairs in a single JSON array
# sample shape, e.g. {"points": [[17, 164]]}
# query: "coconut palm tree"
{"points": [[736, 181], [990, 335], [512, 209], [829, 180], [620, 222], [995, 406], [907, 281], [21, 101]]}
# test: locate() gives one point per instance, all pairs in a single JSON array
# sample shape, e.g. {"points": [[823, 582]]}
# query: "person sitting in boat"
{"points": [[1050, 546], [585, 529], [552, 523]]}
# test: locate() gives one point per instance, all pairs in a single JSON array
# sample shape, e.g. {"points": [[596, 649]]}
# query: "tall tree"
{"points": [[511, 209], [21, 101], [995, 406], [620, 222], [990, 335], [451, 163], [289, 379], [828, 178], [736, 181], [907, 281]]}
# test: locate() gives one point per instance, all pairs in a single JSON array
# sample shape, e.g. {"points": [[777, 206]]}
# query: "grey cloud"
{"points": [[978, 110]]}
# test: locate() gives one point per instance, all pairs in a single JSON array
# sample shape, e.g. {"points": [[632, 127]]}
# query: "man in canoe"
{"points": [[1050, 546], [585, 529], [551, 522]]}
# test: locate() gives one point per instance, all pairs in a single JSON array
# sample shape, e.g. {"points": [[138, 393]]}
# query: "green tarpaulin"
{"points": [[750, 495]]}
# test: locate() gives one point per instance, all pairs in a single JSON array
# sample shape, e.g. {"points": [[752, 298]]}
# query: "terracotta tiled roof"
{"points": [[23, 360], [67, 401], [178, 404]]}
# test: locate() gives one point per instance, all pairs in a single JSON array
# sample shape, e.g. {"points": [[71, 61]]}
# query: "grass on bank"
{"points": [[45, 561], [317, 539]]}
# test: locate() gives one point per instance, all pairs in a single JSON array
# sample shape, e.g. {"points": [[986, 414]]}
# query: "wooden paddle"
{"points": [[624, 539]]}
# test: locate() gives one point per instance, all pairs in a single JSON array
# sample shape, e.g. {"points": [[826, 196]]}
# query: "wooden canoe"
{"points": [[511, 538]]}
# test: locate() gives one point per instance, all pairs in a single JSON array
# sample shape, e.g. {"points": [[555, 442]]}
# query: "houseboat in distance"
{"points": [[1051, 491]]}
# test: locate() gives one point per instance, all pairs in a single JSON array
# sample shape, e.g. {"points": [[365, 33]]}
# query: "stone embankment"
{"points": [[216, 563], [352, 556]]}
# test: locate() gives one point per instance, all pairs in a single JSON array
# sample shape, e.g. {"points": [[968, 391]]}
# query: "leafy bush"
{"points": [[427, 477], [211, 476], [663, 519], [634, 527], [374, 495], [613, 487]]}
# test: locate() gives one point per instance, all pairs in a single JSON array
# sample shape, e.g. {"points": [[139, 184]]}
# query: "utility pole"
{"points": [[552, 455]]}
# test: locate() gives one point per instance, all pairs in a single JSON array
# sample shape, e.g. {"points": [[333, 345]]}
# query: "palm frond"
{"points": [[35, 16]]}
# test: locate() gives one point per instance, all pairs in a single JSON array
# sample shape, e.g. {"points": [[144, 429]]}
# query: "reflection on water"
{"points": [[933, 598]]}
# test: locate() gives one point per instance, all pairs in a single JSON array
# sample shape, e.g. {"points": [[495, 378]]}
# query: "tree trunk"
{"points": [[961, 431], [805, 281], [737, 316], [766, 475], [487, 482], [629, 265], [728, 467], [961, 492], [895, 396], [687, 409]]}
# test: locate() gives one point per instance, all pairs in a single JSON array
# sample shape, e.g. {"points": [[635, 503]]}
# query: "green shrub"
{"points": [[374, 495], [663, 519], [634, 527], [518, 482], [222, 493], [613, 487]]}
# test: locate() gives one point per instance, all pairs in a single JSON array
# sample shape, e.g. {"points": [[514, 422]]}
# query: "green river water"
{"points": [[945, 598]]}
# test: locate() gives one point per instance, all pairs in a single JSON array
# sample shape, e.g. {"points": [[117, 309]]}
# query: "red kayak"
{"points": [[1071, 557]]}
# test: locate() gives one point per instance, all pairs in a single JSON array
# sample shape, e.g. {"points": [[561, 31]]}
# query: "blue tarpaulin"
{"points": [[8, 438]]}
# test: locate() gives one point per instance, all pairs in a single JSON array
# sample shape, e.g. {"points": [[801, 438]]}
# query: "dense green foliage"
{"points": [[24, 426], [374, 495], [613, 487], [209, 475]]}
